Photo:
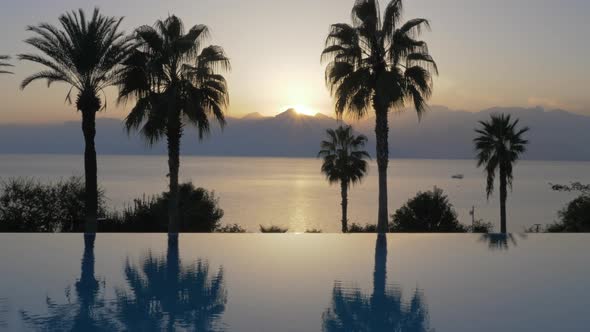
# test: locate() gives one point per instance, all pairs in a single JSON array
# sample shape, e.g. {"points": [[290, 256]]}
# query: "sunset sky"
{"points": [[490, 53]]}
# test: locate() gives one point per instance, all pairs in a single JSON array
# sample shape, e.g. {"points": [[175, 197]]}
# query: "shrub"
{"points": [[575, 217], [356, 228], [273, 229], [198, 213], [480, 226], [427, 212], [27, 205], [233, 228], [313, 231]]}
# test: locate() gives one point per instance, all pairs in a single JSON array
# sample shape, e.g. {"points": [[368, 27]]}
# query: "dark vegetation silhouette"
{"points": [[378, 62], [499, 145], [84, 53], [27, 205], [88, 311], [174, 82], [166, 295], [575, 216], [428, 212], [4, 63], [383, 310], [344, 161], [199, 212], [231, 228], [273, 229]]}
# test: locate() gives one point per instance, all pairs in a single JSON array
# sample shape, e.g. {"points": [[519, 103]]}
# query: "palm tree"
{"points": [[499, 145], [84, 54], [173, 86], [378, 62], [344, 162], [3, 63]]}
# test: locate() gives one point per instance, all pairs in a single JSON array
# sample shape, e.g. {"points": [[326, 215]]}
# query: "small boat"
{"points": [[458, 176]]}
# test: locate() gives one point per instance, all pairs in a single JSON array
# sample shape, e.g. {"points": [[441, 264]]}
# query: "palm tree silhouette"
{"points": [[499, 145], [173, 85], [344, 162], [88, 313], [167, 295], [4, 64], [84, 54], [384, 310], [378, 62]]}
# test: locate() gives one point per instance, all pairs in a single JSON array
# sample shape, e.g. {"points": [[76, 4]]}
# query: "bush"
{"points": [[234, 228], [273, 229], [198, 213], [356, 228], [575, 217], [27, 205], [480, 226], [426, 213], [313, 231]]}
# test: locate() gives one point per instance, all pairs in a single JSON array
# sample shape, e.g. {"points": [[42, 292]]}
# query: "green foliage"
{"points": [[199, 213], [427, 212], [575, 217], [27, 205], [232, 228], [273, 229]]}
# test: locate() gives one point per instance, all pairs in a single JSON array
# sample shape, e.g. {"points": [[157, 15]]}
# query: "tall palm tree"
{"points": [[4, 64], [378, 62], [499, 145], [344, 162], [174, 85], [84, 53]]}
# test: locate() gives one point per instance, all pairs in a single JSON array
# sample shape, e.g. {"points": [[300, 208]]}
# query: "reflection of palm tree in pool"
{"points": [[88, 313], [165, 295], [384, 310], [500, 241]]}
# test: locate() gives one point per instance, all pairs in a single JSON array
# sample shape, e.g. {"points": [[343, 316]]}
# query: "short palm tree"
{"points": [[84, 53], [499, 145], [378, 63], [173, 85], [344, 162], [4, 64]]}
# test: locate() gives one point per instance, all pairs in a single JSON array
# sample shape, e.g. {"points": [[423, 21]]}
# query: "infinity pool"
{"points": [[292, 282]]}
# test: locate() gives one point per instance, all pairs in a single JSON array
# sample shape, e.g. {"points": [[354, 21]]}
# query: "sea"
{"points": [[293, 193]]}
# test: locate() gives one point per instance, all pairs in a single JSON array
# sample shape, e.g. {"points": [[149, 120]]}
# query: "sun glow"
{"points": [[302, 109]]}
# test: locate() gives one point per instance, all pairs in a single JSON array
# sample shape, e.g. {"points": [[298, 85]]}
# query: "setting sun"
{"points": [[304, 110]]}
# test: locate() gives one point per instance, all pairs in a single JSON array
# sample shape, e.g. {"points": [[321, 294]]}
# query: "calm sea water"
{"points": [[293, 192], [294, 282]]}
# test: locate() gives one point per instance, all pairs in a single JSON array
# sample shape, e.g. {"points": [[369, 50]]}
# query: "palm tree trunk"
{"points": [[503, 195], [381, 133], [173, 137], [90, 170], [344, 192]]}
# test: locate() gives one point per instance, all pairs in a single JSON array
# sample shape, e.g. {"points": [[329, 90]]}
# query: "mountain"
{"points": [[442, 133]]}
